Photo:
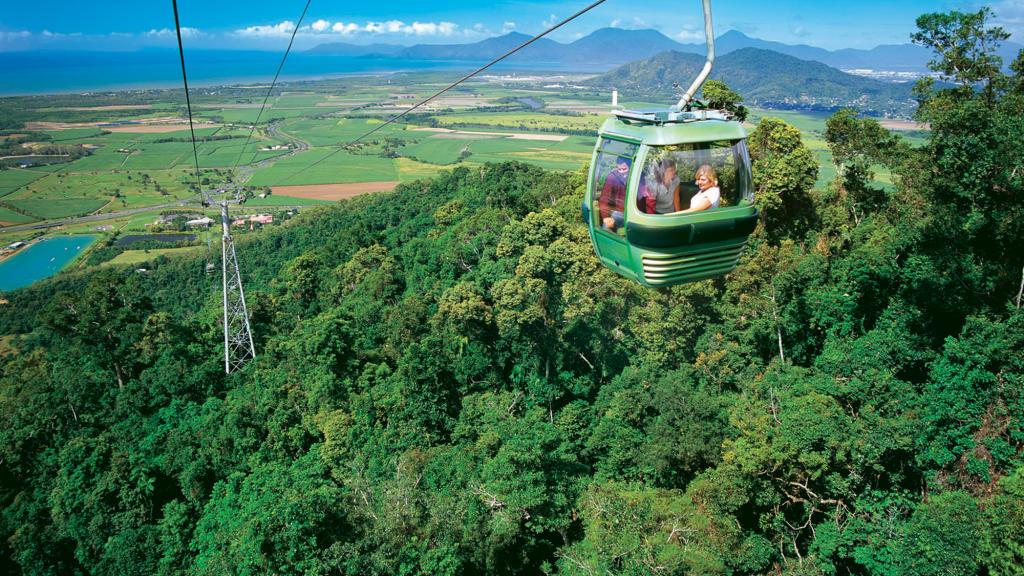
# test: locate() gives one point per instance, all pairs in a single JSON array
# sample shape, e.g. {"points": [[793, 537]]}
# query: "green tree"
{"points": [[1002, 551], [963, 46], [719, 96], [106, 319], [974, 155], [784, 173], [943, 536], [281, 517], [857, 144]]}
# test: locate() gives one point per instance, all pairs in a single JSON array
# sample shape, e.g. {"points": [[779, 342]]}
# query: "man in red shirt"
{"points": [[613, 196]]}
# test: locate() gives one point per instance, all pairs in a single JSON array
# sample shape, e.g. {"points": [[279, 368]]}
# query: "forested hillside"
{"points": [[765, 78], [449, 383]]}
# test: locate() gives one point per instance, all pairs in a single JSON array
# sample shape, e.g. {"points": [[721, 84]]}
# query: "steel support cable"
{"points": [[453, 85], [271, 89], [188, 100]]}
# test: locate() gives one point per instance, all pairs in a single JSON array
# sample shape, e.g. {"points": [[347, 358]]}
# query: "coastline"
{"points": [[26, 74]]}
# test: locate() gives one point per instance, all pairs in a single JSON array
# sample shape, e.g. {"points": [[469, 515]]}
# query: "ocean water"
{"points": [[46, 72], [41, 260]]}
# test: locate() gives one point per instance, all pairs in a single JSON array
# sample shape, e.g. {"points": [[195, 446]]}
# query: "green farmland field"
{"points": [[330, 131], [437, 150], [136, 257], [540, 153], [8, 215], [14, 178], [134, 188], [341, 168], [248, 115], [523, 121], [281, 200], [225, 153], [102, 159], [409, 170], [47, 208]]}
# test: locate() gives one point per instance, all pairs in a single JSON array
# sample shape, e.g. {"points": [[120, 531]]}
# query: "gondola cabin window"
{"points": [[688, 178], [613, 168]]}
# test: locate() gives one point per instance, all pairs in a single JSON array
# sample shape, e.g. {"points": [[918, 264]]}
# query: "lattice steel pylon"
{"points": [[238, 344]]}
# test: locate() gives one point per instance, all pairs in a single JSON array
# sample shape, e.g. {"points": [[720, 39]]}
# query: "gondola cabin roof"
{"points": [[655, 133]]}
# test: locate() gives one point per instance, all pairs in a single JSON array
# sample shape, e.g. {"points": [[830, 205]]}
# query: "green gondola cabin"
{"points": [[664, 244]]}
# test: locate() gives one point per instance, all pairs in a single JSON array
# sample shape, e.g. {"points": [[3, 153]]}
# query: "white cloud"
{"points": [[283, 29], [508, 27], [633, 23], [345, 29], [14, 35], [800, 31], [320, 25], [389, 27], [551, 21], [690, 34], [399, 27], [432, 29], [168, 33]]}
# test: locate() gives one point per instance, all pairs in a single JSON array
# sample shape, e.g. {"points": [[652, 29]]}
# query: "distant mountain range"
{"points": [[614, 46], [765, 78]]}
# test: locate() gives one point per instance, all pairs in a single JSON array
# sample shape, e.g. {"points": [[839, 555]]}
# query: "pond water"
{"points": [[41, 260]]}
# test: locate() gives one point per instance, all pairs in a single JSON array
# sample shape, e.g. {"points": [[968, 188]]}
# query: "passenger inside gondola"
{"points": [[612, 202], [709, 195], [717, 180], [659, 188]]}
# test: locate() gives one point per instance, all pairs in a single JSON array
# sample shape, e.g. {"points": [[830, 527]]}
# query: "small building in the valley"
{"points": [[204, 221], [172, 216]]}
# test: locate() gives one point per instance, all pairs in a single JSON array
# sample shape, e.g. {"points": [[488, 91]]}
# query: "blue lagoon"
{"points": [[41, 260]]}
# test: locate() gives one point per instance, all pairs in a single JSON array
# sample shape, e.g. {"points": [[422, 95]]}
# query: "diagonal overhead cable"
{"points": [[271, 89], [454, 84], [188, 100]]}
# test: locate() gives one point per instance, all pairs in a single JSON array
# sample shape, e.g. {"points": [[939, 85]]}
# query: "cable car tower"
{"points": [[238, 343]]}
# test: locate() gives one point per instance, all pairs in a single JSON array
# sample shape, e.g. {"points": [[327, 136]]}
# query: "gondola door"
{"points": [[613, 171]]}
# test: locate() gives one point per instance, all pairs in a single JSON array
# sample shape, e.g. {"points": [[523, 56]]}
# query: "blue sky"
{"points": [[264, 24]]}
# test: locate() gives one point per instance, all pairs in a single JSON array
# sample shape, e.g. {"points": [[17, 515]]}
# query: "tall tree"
{"points": [[964, 48], [784, 173]]}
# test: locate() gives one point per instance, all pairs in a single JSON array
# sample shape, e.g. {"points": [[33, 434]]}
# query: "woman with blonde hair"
{"points": [[709, 196]]}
